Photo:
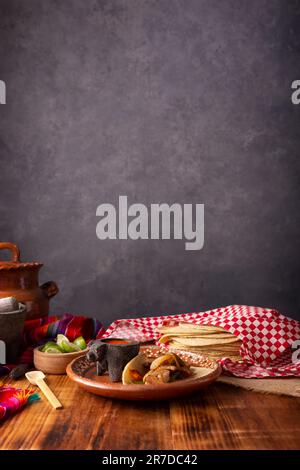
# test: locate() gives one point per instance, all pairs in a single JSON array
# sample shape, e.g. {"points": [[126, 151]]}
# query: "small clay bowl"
{"points": [[54, 363]]}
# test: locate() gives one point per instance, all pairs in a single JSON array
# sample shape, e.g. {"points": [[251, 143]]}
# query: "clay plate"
{"points": [[206, 371]]}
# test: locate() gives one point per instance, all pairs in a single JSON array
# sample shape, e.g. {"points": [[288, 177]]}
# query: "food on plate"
{"points": [[164, 369], [167, 368], [212, 341], [135, 370], [201, 372], [63, 345]]}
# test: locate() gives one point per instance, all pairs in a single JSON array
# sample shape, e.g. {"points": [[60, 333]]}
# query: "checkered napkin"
{"points": [[266, 335]]}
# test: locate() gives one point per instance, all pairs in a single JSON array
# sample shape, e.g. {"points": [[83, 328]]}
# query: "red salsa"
{"points": [[117, 341]]}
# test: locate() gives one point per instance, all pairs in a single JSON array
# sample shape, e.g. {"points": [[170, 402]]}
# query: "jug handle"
{"points": [[50, 289], [14, 250]]}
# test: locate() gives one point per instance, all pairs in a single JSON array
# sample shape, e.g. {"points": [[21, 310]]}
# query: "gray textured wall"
{"points": [[164, 101]]}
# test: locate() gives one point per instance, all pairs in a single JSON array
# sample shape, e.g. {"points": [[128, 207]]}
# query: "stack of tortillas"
{"points": [[211, 341]]}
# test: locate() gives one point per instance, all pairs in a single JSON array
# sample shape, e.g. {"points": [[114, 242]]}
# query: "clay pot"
{"points": [[11, 329], [21, 280]]}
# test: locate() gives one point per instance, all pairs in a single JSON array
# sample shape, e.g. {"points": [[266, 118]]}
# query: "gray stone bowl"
{"points": [[11, 331]]}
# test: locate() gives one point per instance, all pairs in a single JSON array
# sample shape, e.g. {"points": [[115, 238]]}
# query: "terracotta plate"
{"points": [[205, 371]]}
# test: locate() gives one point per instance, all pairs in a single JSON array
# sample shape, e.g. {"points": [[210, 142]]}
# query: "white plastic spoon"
{"points": [[36, 377]]}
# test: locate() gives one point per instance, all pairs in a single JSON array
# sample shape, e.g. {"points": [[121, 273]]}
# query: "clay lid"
{"points": [[15, 263]]}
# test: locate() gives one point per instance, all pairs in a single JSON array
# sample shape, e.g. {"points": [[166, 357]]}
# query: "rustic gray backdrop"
{"points": [[162, 101]]}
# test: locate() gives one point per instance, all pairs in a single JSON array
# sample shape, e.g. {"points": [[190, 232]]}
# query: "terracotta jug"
{"points": [[21, 280]]}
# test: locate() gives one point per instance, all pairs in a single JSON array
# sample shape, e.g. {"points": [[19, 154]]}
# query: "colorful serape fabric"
{"points": [[41, 330], [13, 399]]}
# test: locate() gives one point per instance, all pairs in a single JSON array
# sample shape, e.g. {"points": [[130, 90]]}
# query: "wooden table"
{"points": [[220, 417]]}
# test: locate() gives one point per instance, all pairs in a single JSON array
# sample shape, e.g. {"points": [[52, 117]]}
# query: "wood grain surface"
{"points": [[219, 417]]}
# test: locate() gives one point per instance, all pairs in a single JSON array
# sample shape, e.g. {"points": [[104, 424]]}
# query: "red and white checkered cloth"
{"points": [[267, 337]]}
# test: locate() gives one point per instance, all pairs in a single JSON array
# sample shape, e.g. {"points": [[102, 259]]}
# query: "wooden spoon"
{"points": [[36, 377]]}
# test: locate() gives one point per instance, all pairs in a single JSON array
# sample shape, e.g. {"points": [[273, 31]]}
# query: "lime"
{"points": [[80, 341], [53, 350], [49, 344], [60, 338], [67, 347]]}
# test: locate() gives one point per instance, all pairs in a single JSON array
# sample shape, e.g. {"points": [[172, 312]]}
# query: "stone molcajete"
{"points": [[112, 355]]}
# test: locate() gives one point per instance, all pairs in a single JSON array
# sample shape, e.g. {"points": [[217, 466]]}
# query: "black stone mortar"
{"points": [[11, 330], [112, 357]]}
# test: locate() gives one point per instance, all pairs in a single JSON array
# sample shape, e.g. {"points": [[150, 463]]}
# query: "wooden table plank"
{"points": [[198, 424], [220, 417], [224, 418], [262, 421]]}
